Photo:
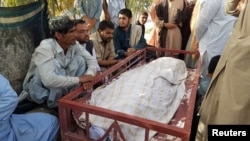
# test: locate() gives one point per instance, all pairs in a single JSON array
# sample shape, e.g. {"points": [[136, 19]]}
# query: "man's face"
{"points": [[143, 19], [82, 31], [107, 34], [124, 21], [69, 38]]}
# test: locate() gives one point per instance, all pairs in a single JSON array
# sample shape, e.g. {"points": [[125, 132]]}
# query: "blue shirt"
{"points": [[23, 127], [91, 9]]}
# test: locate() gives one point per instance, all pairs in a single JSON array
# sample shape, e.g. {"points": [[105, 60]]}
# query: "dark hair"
{"points": [[213, 63], [126, 12], [61, 24], [105, 24], [143, 13], [79, 21]]}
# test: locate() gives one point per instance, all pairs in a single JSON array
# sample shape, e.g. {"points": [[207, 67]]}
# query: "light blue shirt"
{"points": [[49, 57], [114, 6], [23, 127], [212, 29], [91, 9], [53, 74]]}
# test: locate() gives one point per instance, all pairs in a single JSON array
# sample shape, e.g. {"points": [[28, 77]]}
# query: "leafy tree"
{"points": [[137, 6], [13, 3], [57, 7]]}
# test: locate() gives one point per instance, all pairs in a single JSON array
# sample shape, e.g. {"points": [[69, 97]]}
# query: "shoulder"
{"points": [[46, 45], [118, 31], [136, 28], [47, 42], [89, 43], [95, 37], [6, 90], [3, 82]]}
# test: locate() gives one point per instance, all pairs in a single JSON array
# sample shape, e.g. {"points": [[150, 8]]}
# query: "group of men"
{"points": [[73, 56], [67, 60]]}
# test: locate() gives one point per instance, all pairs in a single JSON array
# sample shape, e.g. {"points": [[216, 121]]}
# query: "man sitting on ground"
{"points": [[103, 44], [58, 65], [127, 37], [82, 37]]}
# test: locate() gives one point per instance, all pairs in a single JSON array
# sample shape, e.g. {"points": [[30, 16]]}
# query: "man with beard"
{"points": [[127, 37], [82, 37], [103, 44], [58, 65]]}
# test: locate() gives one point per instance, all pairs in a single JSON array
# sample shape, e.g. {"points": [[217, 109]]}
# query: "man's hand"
{"points": [[86, 81], [130, 51], [241, 5], [87, 85], [86, 78], [92, 23], [107, 17], [170, 25]]}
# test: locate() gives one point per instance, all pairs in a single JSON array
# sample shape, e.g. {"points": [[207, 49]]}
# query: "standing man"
{"points": [[212, 30], [90, 11], [127, 37], [58, 65], [111, 9], [103, 44], [227, 100]]}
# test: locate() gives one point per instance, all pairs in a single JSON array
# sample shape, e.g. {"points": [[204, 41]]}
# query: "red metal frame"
{"points": [[74, 101]]}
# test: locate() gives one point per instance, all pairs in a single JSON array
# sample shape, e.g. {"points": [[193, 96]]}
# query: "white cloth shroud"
{"points": [[152, 91]]}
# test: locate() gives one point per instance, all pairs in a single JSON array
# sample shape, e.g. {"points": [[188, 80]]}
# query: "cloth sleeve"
{"points": [[118, 49], [142, 42], [90, 60], [98, 10], [44, 60], [78, 7], [231, 7], [8, 99], [208, 10]]}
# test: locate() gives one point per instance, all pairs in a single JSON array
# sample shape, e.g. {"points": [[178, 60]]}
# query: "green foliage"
{"points": [[56, 7], [138, 5], [13, 3]]}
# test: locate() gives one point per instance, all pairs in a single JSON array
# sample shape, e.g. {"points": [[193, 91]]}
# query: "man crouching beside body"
{"points": [[58, 65]]}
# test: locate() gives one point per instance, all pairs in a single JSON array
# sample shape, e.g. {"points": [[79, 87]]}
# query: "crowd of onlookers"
{"points": [[81, 48]]}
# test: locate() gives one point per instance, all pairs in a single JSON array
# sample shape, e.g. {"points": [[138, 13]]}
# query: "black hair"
{"points": [[105, 24], [143, 13], [61, 24], [126, 12], [79, 21], [213, 63]]}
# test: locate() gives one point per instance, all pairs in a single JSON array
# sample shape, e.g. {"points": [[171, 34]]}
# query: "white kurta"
{"points": [[213, 28]]}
